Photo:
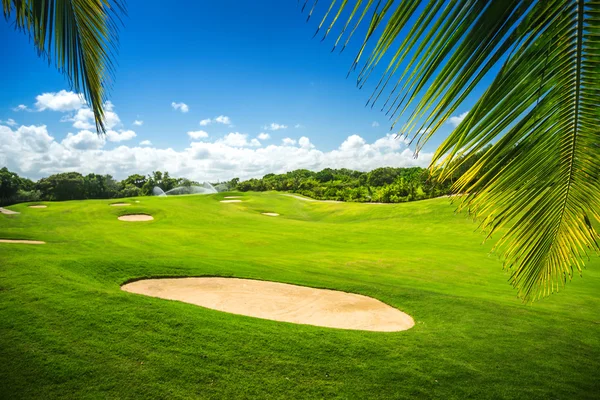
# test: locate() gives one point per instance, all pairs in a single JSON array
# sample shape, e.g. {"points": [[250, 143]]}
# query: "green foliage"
{"points": [[535, 68], [79, 36], [385, 185]]}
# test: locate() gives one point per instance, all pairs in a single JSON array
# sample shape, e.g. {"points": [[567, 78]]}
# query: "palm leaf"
{"points": [[537, 67], [80, 36]]}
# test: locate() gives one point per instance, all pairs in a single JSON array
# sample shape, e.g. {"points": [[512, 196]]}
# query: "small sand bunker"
{"points": [[279, 302], [231, 201], [19, 241], [232, 197], [136, 217], [38, 206], [8, 212], [120, 204], [270, 214]]}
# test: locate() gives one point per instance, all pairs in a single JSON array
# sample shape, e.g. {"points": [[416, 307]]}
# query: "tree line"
{"points": [[75, 186]]}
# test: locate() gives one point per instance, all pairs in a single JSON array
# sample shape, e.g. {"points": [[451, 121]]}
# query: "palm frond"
{"points": [[537, 67], [79, 36]]}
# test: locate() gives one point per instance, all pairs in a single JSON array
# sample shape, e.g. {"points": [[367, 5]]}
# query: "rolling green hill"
{"points": [[68, 331]]}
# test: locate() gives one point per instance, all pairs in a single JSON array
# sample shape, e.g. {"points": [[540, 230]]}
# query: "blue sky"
{"points": [[253, 62]]}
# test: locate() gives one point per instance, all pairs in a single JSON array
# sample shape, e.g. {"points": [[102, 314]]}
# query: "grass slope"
{"points": [[68, 331]]}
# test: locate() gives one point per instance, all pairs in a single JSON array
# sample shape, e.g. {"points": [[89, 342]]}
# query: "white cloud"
{"points": [[298, 126], [137, 122], [375, 124], [197, 134], [84, 140], [31, 151], [221, 119], [180, 106], [264, 136], [62, 101], [21, 107], [84, 118], [145, 143], [288, 141], [236, 139], [305, 143], [9, 122], [121, 136], [457, 119], [275, 126]]}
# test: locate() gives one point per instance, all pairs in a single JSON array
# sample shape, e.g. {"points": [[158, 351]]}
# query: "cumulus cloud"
{"points": [[9, 122], [31, 151], [137, 122], [375, 124], [288, 141], [221, 119], [84, 118], [197, 134], [120, 136], [83, 140], [274, 126], [457, 119], [236, 139], [264, 136], [62, 101], [145, 143], [180, 106]]}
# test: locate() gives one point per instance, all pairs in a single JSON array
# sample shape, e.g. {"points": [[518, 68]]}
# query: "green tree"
{"points": [[539, 111], [9, 186], [79, 36]]}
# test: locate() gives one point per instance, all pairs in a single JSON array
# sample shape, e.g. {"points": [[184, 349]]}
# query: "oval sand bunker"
{"points": [[120, 204], [231, 201], [279, 302], [38, 206], [270, 214], [20, 241], [136, 217]]}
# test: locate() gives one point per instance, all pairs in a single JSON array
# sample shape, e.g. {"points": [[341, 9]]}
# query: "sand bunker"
{"points": [[231, 201], [279, 302], [120, 204], [232, 197], [21, 241], [271, 214], [38, 206], [136, 217], [8, 212]]}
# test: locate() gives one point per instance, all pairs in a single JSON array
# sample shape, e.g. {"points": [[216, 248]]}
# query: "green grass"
{"points": [[68, 331]]}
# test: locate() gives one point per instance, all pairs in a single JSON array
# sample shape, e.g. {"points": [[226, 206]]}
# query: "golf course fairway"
{"points": [[68, 330]]}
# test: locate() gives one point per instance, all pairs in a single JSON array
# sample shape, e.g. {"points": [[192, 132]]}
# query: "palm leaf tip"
{"points": [[538, 184], [79, 36]]}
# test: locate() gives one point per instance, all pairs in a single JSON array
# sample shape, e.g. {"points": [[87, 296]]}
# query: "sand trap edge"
{"points": [[135, 218], [21, 241]]}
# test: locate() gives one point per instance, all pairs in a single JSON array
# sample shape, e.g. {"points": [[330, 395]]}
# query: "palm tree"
{"points": [[79, 36], [534, 66]]}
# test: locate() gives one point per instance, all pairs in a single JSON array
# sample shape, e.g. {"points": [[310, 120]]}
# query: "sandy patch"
{"points": [[136, 217], [232, 197], [309, 199], [38, 206], [271, 214], [21, 241], [8, 212], [279, 302], [120, 204], [231, 201]]}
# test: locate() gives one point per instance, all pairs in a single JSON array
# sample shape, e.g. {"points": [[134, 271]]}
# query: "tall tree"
{"points": [[79, 36], [537, 66]]}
